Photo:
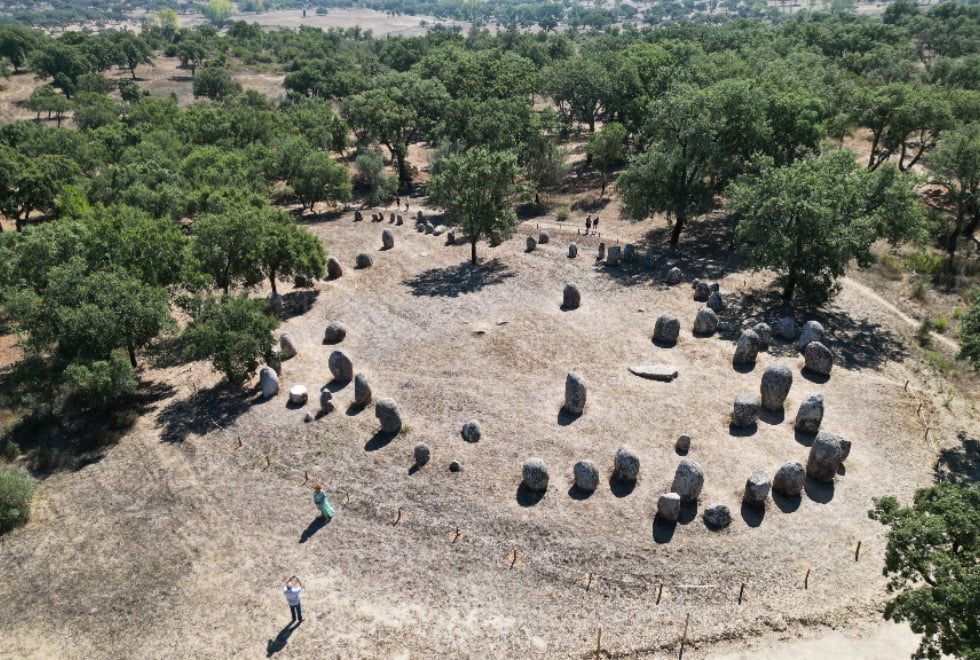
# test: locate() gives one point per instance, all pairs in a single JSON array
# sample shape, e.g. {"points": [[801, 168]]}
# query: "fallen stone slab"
{"points": [[663, 372]]}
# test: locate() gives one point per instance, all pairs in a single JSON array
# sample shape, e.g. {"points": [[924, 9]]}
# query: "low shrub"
{"points": [[16, 493]]}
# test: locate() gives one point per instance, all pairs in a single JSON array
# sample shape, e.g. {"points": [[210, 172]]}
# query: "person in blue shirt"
{"points": [[291, 592]]}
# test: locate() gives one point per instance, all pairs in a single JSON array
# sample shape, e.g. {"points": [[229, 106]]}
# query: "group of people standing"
{"points": [[293, 585], [591, 224]]}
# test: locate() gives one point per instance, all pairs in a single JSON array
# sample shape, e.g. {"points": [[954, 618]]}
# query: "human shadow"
{"points": [[528, 497], [814, 377], [206, 410], [752, 514], [663, 530], [379, 440], [566, 417], [742, 431], [820, 492], [315, 526], [279, 643], [453, 281], [960, 465], [786, 503], [579, 494], [621, 487], [297, 303], [773, 417]]}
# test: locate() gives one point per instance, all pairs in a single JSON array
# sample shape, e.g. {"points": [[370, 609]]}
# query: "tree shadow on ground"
{"points": [[297, 303], [279, 643], [527, 497], [315, 526], [206, 410], [786, 503], [960, 465], [752, 514], [379, 440], [454, 281], [663, 530], [855, 343]]}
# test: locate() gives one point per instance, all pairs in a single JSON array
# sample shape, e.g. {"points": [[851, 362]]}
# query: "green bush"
{"points": [[920, 287], [940, 324], [16, 493], [11, 450], [891, 267], [97, 385], [562, 214], [929, 264]]}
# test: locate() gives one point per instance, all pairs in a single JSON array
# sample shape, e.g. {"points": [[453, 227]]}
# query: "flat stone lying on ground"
{"points": [[777, 380], [790, 479], [269, 382], [757, 488], [387, 412], [669, 507], [586, 476], [575, 393], [534, 475], [745, 412], [810, 414], [661, 372], [667, 329]]}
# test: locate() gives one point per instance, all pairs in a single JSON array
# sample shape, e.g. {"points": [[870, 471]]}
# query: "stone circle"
{"points": [[824, 459], [674, 276], [387, 239], [269, 382], [706, 322], [688, 480], [298, 395], [586, 476], [683, 443], [387, 412], [363, 260], [543, 237], [572, 250], [629, 253], [812, 331], [786, 328], [764, 332], [274, 304], [747, 348], [287, 347], [602, 252], [362, 391], [818, 358], [455, 466], [422, 454], [776, 382], [534, 475], [334, 269], [326, 400], [715, 303], [702, 291], [717, 516], [614, 256]]}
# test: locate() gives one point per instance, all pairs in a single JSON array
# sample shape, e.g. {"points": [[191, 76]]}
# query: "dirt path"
{"points": [[905, 318]]}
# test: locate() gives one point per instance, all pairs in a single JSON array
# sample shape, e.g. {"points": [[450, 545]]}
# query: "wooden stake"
{"points": [[598, 643], [918, 410], [740, 592], [239, 444], [927, 432], [857, 553], [684, 638], [398, 519], [347, 499], [456, 538], [906, 386], [513, 559], [268, 461], [660, 592], [589, 585], [306, 476], [806, 580]]}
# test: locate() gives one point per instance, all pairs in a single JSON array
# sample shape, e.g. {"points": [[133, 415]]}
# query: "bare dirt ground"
{"points": [[174, 542]]}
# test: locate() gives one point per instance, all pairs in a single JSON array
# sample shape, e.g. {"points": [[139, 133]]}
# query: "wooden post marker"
{"points": [[684, 637], [806, 580], [857, 553], [268, 461], [740, 593], [589, 585], [456, 538], [598, 643], [660, 592], [514, 559], [398, 518]]}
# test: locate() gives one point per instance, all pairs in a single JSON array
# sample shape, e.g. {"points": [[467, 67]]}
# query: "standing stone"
{"points": [[789, 479], [287, 347], [471, 431], [363, 260], [386, 410], [420, 227], [387, 239], [298, 395], [419, 216], [422, 454], [341, 367], [614, 256], [586, 476], [357, 216], [669, 507], [602, 252], [534, 475], [626, 464], [362, 391], [812, 331], [455, 466], [714, 286], [399, 221], [824, 459], [308, 417], [269, 382], [543, 237], [688, 481], [776, 381], [786, 328], [683, 444], [845, 448], [757, 488], [674, 276], [667, 329], [274, 304], [439, 230], [706, 322], [745, 413], [574, 393], [747, 348], [427, 226], [571, 298], [450, 238], [715, 302], [326, 400], [335, 332], [717, 516], [818, 358], [531, 243], [810, 414], [391, 218], [702, 291], [629, 253], [764, 333], [572, 250]]}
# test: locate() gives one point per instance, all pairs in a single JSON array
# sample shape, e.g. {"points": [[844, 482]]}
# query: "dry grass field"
{"points": [[174, 543]]}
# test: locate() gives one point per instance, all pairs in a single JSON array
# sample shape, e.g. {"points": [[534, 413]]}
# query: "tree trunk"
{"points": [[272, 281], [953, 239], [400, 152], [473, 250], [132, 354], [675, 233], [790, 287]]}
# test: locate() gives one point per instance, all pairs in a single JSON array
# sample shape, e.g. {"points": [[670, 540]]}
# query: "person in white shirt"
{"points": [[291, 592]]}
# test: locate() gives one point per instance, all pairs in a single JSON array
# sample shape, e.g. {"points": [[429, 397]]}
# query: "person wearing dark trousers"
{"points": [[291, 592]]}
